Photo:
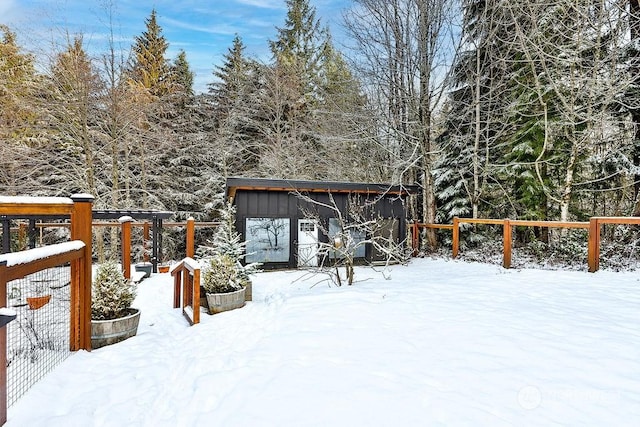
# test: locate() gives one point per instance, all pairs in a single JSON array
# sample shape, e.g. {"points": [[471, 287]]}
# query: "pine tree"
{"points": [[182, 74], [17, 85], [20, 117], [232, 78], [301, 44], [233, 95], [149, 67], [348, 148]]}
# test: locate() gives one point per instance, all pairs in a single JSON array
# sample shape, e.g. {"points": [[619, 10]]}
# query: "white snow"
{"points": [[28, 200], [25, 257], [188, 261], [439, 343], [4, 311]]}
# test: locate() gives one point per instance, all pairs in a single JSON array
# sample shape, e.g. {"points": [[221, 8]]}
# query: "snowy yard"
{"points": [[439, 343]]}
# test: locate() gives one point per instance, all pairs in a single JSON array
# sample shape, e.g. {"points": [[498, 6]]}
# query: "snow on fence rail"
{"points": [[594, 227], [49, 289], [144, 238]]}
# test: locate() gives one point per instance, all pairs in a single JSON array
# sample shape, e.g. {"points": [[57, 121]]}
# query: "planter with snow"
{"points": [[112, 318], [106, 332], [226, 301], [224, 286]]}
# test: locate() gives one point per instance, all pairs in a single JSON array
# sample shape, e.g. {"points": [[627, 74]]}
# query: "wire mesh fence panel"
{"points": [[38, 340]]}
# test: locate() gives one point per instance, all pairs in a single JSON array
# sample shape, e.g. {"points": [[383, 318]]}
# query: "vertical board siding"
{"points": [[282, 204]]}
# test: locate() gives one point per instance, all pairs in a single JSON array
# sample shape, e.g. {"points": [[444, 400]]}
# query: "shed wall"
{"points": [[279, 204]]}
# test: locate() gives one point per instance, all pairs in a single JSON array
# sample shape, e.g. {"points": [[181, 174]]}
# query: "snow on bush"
{"points": [[223, 276], [111, 293]]}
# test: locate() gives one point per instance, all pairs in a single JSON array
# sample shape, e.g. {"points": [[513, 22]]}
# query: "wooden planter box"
{"points": [[225, 302], [106, 332]]}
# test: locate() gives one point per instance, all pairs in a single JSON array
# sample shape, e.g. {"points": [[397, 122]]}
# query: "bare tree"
{"points": [[352, 231], [403, 49]]}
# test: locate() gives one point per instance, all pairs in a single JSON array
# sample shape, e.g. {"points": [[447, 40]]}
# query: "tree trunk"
{"points": [[634, 25]]}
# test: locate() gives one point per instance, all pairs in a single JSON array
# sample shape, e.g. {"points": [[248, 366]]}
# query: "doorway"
{"points": [[307, 243]]}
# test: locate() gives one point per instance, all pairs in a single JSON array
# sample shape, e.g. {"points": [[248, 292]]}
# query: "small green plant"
{"points": [[111, 294], [227, 247], [223, 276]]}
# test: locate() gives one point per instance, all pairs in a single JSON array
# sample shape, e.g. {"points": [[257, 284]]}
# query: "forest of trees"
{"points": [[495, 108]]}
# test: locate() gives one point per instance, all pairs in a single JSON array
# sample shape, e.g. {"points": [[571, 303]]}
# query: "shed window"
{"points": [[268, 239], [356, 235]]}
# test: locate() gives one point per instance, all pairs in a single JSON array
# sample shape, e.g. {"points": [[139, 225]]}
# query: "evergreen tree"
{"points": [[17, 85], [228, 244], [232, 78], [301, 44], [475, 125], [149, 67], [233, 95], [182, 74], [348, 148], [20, 116]]}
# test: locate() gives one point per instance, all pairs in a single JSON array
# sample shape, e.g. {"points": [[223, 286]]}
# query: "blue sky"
{"points": [[204, 29]]}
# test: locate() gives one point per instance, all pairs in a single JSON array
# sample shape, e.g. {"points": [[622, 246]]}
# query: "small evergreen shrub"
{"points": [[227, 247], [111, 294], [223, 276]]}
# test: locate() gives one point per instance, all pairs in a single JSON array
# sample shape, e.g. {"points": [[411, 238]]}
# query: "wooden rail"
{"points": [[594, 227], [186, 288], [77, 252], [190, 225]]}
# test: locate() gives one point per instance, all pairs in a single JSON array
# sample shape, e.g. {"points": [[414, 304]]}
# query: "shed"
{"points": [[273, 215]]}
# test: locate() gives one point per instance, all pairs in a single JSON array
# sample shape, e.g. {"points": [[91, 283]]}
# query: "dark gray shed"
{"points": [[274, 219]]}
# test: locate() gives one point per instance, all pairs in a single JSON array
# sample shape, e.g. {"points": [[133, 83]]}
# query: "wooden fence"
{"points": [[77, 253], [126, 224], [594, 227]]}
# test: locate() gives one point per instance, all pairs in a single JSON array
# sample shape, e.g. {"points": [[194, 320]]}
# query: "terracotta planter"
{"points": [[106, 332], [163, 269], [38, 302], [225, 302]]}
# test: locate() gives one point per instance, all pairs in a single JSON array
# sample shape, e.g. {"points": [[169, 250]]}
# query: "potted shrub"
{"points": [[112, 318], [224, 286], [227, 245]]}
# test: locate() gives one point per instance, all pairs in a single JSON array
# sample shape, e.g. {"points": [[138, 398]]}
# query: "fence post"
{"points": [[456, 236], [6, 234], [195, 303], [177, 286], [506, 243], [593, 248], [3, 347], [125, 243], [145, 242], [22, 236], [81, 218], [191, 232]]}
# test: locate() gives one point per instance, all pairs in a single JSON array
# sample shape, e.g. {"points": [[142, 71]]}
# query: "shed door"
{"points": [[307, 243], [390, 230]]}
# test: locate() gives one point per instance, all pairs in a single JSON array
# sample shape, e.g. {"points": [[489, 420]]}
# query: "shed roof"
{"points": [[236, 184]]}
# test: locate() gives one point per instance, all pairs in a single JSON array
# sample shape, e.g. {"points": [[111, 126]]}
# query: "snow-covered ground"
{"points": [[438, 343]]}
